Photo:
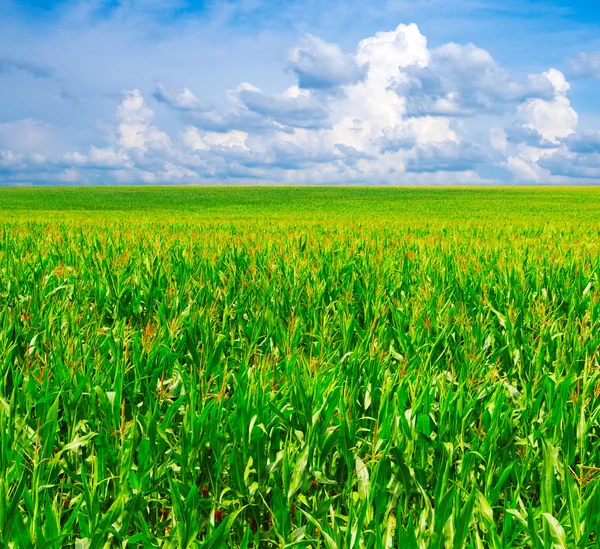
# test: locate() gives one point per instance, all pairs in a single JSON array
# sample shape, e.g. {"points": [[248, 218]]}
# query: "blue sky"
{"points": [[302, 92]]}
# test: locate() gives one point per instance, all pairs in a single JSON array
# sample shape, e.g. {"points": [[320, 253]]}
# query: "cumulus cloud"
{"points": [[134, 125], [553, 119], [192, 110], [410, 132], [21, 168], [526, 135], [392, 111], [586, 65], [294, 107], [525, 171], [586, 143], [321, 65], [539, 135], [567, 163], [10, 160], [183, 101], [196, 140], [577, 157], [463, 81], [99, 158], [445, 156]]}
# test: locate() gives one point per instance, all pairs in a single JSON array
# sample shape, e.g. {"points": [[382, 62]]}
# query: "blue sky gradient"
{"points": [[303, 92]]}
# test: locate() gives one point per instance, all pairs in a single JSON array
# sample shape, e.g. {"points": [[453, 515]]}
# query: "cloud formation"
{"points": [[464, 81], [536, 145], [294, 107], [134, 125], [320, 65], [448, 155], [394, 111]]}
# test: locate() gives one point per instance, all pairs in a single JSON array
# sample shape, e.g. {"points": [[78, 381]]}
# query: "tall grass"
{"points": [[313, 385]]}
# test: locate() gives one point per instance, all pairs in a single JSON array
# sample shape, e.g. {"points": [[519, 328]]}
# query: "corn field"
{"points": [[353, 380]]}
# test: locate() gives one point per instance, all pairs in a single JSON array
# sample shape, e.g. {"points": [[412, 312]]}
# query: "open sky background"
{"points": [[300, 92]]}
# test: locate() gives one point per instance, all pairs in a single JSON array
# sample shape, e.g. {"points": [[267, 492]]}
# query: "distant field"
{"points": [[405, 205], [315, 367]]}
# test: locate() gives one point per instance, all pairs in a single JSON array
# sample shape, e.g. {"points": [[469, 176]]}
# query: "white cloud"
{"points": [[294, 107], [577, 157], [387, 51], [410, 132], [15, 161], [528, 136], [101, 158], [558, 81], [320, 65], [184, 101], [134, 127], [586, 143], [463, 81], [239, 117], [196, 140], [524, 171], [174, 172], [445, 156], [10, 160], [553, 119], [70, 175], [538, 136]]}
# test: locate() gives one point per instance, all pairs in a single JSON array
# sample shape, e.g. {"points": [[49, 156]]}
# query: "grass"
{"points": [[320, 368]]}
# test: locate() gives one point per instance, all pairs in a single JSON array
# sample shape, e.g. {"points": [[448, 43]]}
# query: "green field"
{"points": [[282, 367], [414, 206]]}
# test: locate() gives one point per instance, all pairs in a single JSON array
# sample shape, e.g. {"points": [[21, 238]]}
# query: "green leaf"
{"points": [[298, 473], [556, 531], [219, 536], [362, 473]]}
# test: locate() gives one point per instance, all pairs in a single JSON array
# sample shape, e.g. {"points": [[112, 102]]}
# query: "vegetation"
{"points": [[321, 368]]}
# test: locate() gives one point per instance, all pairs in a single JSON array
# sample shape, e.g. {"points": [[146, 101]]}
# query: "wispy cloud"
{"points": [[586, 65], [32, 69]]}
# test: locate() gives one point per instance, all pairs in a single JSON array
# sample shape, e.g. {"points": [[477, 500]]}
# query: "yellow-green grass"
{"points": [[280, 367]]}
